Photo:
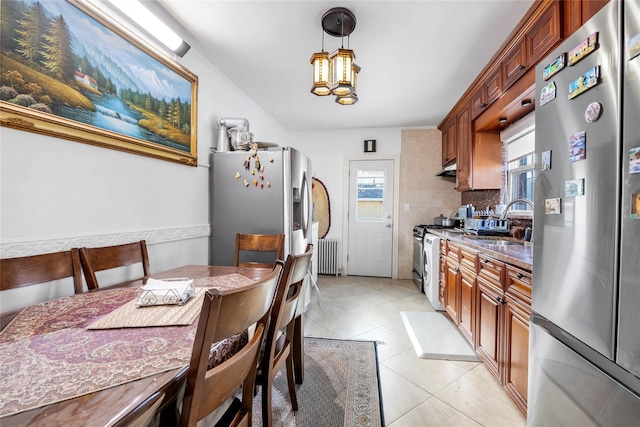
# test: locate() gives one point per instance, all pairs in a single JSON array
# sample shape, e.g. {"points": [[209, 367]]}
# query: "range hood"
{"points": [[449, 170]]}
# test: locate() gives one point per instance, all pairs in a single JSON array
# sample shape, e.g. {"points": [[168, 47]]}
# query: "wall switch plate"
{"points": [[406, 207]]}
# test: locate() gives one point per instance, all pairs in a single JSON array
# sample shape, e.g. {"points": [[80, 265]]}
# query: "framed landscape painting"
{"points": [[68, 71]]}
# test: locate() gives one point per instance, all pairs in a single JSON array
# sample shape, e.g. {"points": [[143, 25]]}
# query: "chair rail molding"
{"points": [[15, 248]]}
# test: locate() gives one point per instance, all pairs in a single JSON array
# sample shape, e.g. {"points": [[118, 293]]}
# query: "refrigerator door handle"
{"points": [[305, 203]]}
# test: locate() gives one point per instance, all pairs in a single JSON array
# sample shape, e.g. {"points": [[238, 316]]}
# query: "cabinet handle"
{"points": [[500, 300], [482, 105], [519, 275], [486, 261], [456, 270], [521, 67]]}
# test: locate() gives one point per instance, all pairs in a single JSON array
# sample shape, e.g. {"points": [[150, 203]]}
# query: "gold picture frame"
{"points": [[114, 107]]}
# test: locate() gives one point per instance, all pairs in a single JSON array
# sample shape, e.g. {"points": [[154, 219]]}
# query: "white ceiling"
{"points": [[417, 57]]}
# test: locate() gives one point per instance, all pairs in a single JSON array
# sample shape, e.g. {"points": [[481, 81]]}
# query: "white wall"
{"points": [[328, 150], [57, 194]]}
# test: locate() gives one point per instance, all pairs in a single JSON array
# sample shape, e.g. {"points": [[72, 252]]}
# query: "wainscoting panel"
{"points": [[11, 249]]}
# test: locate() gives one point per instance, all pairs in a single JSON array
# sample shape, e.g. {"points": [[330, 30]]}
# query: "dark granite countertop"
{"points": [[519, 254]]}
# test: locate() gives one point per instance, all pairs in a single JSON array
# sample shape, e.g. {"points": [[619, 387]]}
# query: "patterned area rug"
{"points": [[341, 387]]}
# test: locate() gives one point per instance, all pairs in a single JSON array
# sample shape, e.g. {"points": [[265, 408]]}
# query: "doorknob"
{"points": [[389, 225]]}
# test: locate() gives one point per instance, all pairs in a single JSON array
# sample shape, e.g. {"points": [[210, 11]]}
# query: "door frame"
{"points": [[396, 207]]}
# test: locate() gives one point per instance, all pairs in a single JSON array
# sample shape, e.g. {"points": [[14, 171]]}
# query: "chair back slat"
{"points": [[31, 270], [108, 257], [250, 244]]}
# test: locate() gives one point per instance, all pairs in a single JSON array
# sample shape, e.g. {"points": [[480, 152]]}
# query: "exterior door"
{"points": [[370, 251]]}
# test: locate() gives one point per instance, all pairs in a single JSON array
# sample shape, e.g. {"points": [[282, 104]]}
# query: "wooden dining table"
{"points": [[117, 404]]}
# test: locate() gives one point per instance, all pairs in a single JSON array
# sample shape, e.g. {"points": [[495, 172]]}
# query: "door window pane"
{"points": [[369, 206]]}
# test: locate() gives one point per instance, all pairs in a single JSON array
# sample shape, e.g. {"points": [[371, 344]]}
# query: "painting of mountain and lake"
{"points": [[69, 71]]}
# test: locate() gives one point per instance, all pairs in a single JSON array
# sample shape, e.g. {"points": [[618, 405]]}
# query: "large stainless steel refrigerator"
{"points": [[265, 192], [584, 355]]}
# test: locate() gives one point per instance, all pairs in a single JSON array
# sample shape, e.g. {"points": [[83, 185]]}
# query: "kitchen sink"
{"points": [[496, 241], [503, 242]]}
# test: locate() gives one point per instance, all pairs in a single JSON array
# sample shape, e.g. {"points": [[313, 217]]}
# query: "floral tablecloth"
{"points": [[47, 355]]}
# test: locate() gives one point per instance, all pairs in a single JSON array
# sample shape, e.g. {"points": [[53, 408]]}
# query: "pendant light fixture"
{"points": [[336, 73]]}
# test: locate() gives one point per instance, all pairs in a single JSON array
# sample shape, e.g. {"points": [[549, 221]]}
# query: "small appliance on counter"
{"points": [[233, 134], [487, 227], [465, 211]]}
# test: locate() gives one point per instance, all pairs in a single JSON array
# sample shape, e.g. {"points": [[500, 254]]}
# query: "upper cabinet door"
{"points": [[545, 33], [490, 90], [514, 64]]}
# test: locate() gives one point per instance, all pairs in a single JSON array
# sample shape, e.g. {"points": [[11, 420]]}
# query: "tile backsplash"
{"points": [[481, 199]]}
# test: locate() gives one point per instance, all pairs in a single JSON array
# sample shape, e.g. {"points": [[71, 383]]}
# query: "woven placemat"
{"points": [[130, 316]]}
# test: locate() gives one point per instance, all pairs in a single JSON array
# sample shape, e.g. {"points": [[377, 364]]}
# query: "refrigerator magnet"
{"points": [[553, 206], [593, 112], [633, 47], [545, 162], [577, 147], [634, 160], [635, 206], [585, 82], [583, 49], [574, 187], [553, 68], [548, 93]]}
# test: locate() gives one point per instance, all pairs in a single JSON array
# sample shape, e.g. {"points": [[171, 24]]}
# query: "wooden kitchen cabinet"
{"points": [[443, 271], [516, 353], [490, 301], [449, 144], [480, 162], [490, 90], [489, 327], [467, 289], [464, 149], [514, 64], [545, 33], [489, 312], [452, 283]]}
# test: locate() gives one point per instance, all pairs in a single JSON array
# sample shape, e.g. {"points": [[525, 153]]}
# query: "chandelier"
{"points": [[336, 73]]}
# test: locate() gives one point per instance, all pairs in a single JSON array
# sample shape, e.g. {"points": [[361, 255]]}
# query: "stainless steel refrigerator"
{"points": [[262, 192], [584, 355]]}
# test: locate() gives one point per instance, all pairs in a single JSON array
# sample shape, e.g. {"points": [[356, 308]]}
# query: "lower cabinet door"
{"points": [[467, 297], [451, 292], [516, 364], [489, 328]]}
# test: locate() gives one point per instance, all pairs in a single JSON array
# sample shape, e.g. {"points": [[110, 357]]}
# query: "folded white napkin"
{"points": [[171, 291]]}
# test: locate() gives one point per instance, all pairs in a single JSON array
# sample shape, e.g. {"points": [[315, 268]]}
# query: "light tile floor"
{"points": [[415, 392]]}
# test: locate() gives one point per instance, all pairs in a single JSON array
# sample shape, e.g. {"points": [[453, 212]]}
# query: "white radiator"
{"points": [[328, 256]]}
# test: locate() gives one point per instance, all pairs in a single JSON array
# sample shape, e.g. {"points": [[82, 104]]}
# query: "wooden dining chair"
{"points": [[278, 347], [34, 269], [108, 257], [221, 317], [258, 243]]}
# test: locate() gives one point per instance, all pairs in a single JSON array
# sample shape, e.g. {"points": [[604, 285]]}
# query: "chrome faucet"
{"points": [[513, 202]]}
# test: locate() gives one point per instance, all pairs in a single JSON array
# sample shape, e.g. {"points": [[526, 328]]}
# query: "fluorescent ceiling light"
{"points": [[147, 20]]}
